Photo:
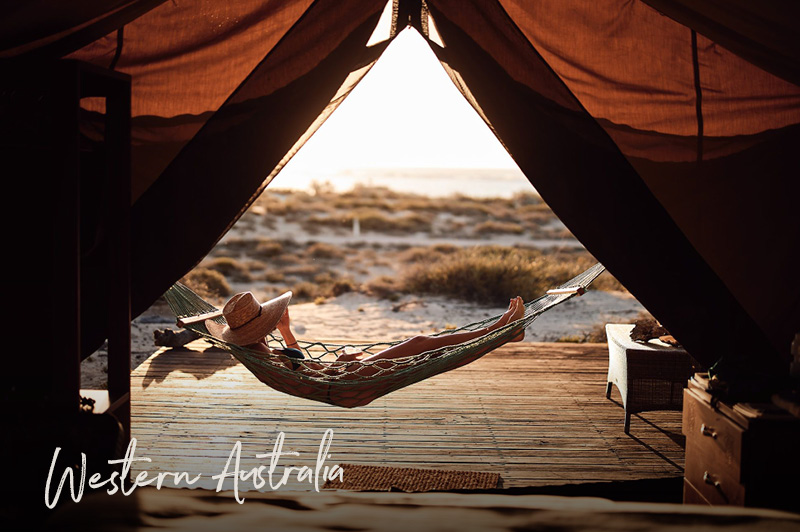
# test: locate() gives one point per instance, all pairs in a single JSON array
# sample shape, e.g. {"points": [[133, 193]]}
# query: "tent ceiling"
{"points": [[667, 144]]}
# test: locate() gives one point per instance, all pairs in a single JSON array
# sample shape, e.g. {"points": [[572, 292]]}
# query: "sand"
{"points": [[356, 316]]}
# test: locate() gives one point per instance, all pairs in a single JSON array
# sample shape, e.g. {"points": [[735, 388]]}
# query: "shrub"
{"points": [[535, 218], [492, 274], [374, 220], [267, 248], [331, 285], [420, 203], [286, 259], [229, 267], [350, 202], [445, 248], [570, 339], [423, 254], [325, 277], [418, 254], [273, 207], [323, 287], [305, 290], [321, 250], [527, 198], [302, 270], [343, 286], [464, 206], [491, 226], [384, 287], [596, 335], [297, 210], [274, 277], [255, 265], [207, 283]]}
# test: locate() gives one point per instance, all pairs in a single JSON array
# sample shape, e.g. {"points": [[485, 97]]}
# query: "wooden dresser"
{"points": [[740, 454]]}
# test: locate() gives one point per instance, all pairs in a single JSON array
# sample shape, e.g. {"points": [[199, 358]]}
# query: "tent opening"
{"points": [[404, 199]]}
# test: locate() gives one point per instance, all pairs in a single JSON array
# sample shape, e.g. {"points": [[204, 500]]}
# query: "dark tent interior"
{"points": [[663, 133]]}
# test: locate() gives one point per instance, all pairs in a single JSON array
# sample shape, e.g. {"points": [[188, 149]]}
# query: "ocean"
{"points": [[433, 182]]}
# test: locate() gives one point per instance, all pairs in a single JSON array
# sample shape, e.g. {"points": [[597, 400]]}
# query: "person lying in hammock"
{"points": [[249, 322]]}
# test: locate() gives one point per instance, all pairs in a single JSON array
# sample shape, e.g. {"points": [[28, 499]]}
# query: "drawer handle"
{"points": [[708, 431], [708, 478]]}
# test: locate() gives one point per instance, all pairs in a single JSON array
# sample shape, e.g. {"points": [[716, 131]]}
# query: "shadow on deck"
{"points": [[535, 413]]}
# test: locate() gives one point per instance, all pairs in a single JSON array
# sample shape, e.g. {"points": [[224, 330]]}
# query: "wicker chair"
{"points": [[649, 376]]}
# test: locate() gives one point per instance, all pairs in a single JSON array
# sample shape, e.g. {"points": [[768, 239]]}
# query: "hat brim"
{"points": [[253, 331]]}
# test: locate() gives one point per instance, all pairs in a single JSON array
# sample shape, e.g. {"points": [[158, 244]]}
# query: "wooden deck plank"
{"points": [[535, 413]]}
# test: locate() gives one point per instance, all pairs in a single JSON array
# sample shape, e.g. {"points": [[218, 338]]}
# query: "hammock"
{"points": [[321, 379]]}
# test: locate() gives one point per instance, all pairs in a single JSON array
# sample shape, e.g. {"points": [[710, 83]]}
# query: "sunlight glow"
{"points": [[405, 113]]}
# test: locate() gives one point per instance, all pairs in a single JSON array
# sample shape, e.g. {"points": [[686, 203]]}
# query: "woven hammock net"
{"points": [[357, 383]]}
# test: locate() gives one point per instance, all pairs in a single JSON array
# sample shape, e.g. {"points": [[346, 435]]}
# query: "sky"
{"points": [[405, 113]]}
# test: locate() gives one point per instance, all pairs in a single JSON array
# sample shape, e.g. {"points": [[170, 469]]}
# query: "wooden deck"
{"points": [[534, 413]]}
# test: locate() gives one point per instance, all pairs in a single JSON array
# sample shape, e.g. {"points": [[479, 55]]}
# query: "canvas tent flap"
{"points": [[186, 59], [48, 29], [650, 127], [763, 33], [700, 125], [663, 223], [214, 175]]}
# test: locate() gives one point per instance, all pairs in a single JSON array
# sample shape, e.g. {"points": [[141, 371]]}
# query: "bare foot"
{"points": [[506, 317], [516, 310], [519, 313], [519, 310]]}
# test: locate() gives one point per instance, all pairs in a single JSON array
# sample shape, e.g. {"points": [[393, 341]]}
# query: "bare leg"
{"points": [[421, 344], [286, 331]]}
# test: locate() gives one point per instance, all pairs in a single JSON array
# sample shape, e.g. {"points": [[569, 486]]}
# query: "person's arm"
{"points": [[349, 354], [286, 331]]}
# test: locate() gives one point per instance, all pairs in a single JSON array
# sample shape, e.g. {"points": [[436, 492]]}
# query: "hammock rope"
{"points": [[349, 384]]}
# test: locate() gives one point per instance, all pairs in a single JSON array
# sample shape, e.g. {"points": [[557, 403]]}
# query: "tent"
{"points": [[663, 133]]}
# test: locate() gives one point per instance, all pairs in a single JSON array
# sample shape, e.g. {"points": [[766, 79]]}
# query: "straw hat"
{"points": [[248, 321]]}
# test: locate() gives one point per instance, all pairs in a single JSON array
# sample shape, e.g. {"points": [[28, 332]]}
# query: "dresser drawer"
{"points": [[691, 495], [715, 482], [744, 455], [714, 439]]}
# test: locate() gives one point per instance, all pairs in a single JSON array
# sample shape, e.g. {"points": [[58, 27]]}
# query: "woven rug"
{"points": [[377, 478]]}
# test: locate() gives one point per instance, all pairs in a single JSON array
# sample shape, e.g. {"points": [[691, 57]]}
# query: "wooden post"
{"points": [[118, 111], [64, 383]]}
